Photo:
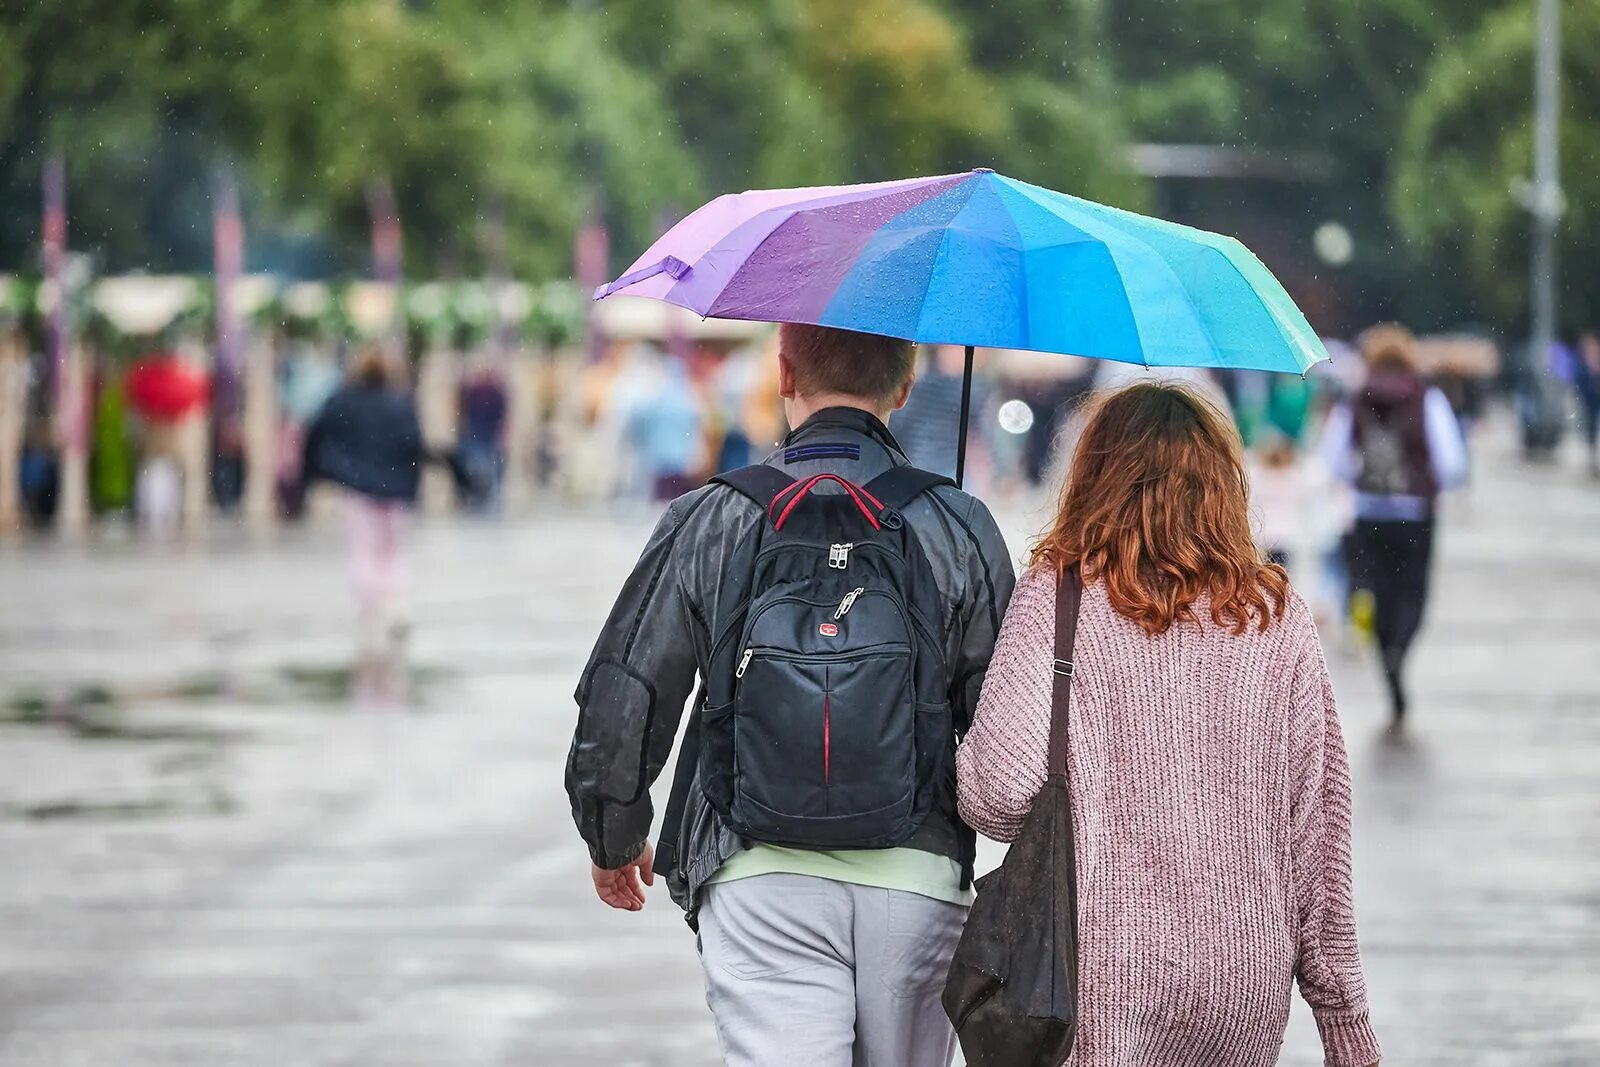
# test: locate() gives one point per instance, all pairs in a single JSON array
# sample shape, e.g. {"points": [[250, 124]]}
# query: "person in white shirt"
{"points": [[1398, 444]]}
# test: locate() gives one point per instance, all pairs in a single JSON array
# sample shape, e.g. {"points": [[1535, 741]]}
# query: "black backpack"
{"points": [[826, 716], [1384, 466]]}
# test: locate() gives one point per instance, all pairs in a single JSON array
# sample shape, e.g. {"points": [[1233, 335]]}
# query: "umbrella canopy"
{"points": [[164, 388], [979, 259]]}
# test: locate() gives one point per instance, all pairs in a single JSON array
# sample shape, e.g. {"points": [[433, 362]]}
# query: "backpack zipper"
{"points": [[848, 601], [810, 546], [870, 652]]}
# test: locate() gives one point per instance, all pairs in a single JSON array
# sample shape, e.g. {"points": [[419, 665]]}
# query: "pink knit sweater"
{"points": [[1211, 796]]}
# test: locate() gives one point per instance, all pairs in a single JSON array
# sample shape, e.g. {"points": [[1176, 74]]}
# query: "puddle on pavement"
{"points": [[211, 801], [184, 775], [95, 712]]}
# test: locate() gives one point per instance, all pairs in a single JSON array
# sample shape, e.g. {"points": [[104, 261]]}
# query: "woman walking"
{"points": [[1397, 442], [367, 439], [1209, 784]]}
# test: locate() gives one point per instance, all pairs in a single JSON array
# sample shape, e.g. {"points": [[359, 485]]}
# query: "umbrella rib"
{"points": [[1188, 298], [944, 240], [1027, 192], [922, 305], [792, 211], [1272, 311], [1183, 288]]}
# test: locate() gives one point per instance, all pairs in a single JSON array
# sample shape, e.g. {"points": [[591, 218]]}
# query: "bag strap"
{"points": [[759, 482], [1069, 598], [899, 486], [1069, 601]]}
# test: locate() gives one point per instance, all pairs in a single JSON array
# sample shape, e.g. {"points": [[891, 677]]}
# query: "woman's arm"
{"points": [[1329, 962], [1000, 766]]}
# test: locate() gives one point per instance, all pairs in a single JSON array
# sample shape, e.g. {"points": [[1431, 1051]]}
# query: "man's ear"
{"points": [[904, 394], [785, 377]]}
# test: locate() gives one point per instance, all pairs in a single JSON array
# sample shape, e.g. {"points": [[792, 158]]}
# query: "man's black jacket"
{"points": [[643, 668]]}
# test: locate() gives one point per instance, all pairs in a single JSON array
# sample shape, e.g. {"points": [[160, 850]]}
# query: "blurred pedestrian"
{"points": [[1281, 498], [665, 425], [158, 495], [1398, 444], [307, 378], [732, 382], [367, 439], [38, 475], [1050, 385], [1205, 762], [1587, 375], [482, 406], [926, 427]]}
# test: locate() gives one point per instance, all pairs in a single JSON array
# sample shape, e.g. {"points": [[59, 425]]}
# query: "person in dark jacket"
{"points": [[809, 956], [367, 439], [483, 407], [923, 426], [1588, 384]]}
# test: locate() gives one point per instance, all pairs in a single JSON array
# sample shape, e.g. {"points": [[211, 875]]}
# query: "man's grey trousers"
{"points": [[804, 970]]}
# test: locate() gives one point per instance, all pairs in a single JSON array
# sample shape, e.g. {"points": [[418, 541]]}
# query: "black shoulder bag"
{"points": [[1012, 992]]}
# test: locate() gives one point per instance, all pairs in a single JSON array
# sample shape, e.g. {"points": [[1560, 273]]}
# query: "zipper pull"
{"points": [[839, 555], [743, 663], [848, 602]]}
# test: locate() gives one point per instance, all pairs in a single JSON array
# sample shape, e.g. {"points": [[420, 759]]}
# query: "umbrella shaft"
{"points": [[966, 405]]}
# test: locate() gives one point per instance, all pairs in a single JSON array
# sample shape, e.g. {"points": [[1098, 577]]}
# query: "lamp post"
{"points": [[1545, 197]]}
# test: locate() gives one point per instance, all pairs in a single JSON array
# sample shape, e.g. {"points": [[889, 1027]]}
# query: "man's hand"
{"points": [[621, 888]]}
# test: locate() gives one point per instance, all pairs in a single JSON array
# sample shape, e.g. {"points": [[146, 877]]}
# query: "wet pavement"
{"points": [[210, 856]]}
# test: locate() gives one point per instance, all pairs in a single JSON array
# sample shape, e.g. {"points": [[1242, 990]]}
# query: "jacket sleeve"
{"points": [[1328, 965], [1001, 764], [989, 581], [631, 696]]}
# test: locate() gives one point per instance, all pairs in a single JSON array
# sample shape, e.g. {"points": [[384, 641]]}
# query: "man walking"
{"points": [[840, 608]]}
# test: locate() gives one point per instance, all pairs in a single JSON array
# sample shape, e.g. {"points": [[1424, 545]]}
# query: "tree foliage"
{"points": [[1460, 187], [524, 116]]}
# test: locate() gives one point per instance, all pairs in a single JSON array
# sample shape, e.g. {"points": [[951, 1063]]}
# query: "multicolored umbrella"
{"points": [[979, 259]]}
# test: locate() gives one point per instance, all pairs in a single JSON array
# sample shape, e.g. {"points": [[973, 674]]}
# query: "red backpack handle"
{"points": [[799, 489]]}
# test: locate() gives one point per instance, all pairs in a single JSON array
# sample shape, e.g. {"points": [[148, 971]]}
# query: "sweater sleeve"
{"points": [[1329, 963], [1000, 766]]}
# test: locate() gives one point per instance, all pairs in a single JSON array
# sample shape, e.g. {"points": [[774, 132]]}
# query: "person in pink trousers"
{"points": [[367, 439], [1210, 787]]}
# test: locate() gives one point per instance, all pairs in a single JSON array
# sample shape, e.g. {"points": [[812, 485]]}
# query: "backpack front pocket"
{"points": [[825, 746]]}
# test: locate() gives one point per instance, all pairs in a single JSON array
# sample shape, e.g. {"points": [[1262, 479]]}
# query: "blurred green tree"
{"points": [[1467, 153]]}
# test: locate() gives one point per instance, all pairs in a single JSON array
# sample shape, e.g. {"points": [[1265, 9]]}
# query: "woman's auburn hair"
{"points": [[1155, 507]]}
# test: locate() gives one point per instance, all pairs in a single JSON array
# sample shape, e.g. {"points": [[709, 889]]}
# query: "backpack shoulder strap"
{"points": [[899, 486], [758, 481]]}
